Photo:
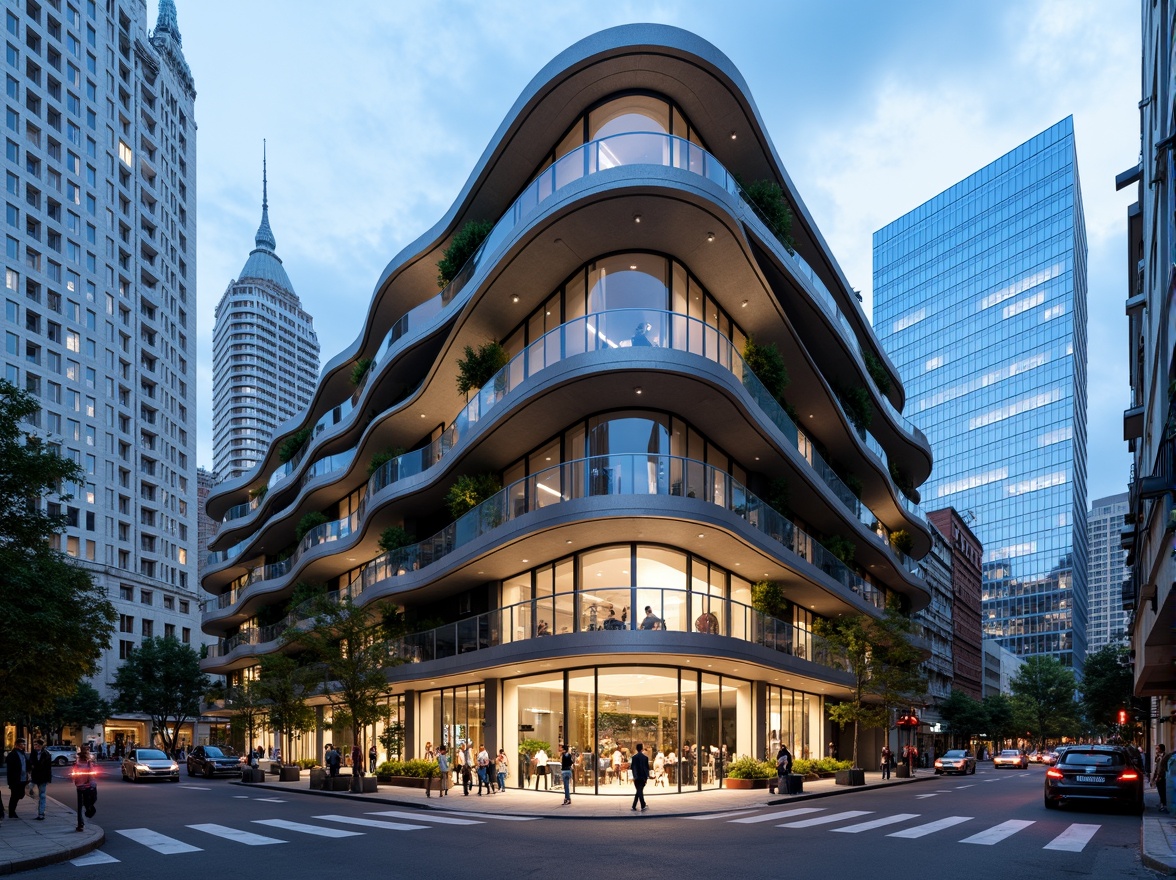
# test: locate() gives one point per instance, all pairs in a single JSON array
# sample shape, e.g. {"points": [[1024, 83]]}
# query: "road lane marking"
{"points": [[153, 840], [719, 815], [782, 814], [271, 800], [246, 837], [997, 833], [372, 823], [969, 785], [308, 829], [427, 817], [196, 787], [1073, 839], [921, 796], [824, 820], [930, 827], [501, 817], [876, 823], [97, 857]]}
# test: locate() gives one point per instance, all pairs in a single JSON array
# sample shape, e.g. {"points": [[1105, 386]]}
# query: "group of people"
{"points": [[30, 772], [467, 766]]}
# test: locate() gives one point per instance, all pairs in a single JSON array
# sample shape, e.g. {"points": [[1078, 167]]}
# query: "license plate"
{"points": [[1090, 778]]}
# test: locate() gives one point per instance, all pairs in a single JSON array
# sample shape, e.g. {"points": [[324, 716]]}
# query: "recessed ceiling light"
{"points": [[733, 135], [568, 541], [526, 560], [701, 535], [514, 298], [636, 218], [637, 389], [743, 304], [633, 267], [710, 236], [422, 415]]}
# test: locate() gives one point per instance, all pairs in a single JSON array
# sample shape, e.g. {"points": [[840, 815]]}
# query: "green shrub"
{"points": [[767, 597], [827, 766], [904, 483], [843, 548], [877, 371], [856, 402], [767, 198], [417, 768], [360, 370], [901, 540], [745, 767], [309, 521], [468, 491], [853, 484], [768, 365], [292, 444], [379, 459], [777, 494], [305, 591], [306, 763], [395, 537], [464, 245], [478, 367], [532, 746]]}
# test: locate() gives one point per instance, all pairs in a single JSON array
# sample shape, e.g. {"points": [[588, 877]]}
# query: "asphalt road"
{"points": [[990, 826]]}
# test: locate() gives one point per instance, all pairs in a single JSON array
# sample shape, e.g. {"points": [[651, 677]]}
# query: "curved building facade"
{"points": [[265, 356], [649, 479]]}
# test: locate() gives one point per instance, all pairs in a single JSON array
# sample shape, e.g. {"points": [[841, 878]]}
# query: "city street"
{"points": [[988, 825]]}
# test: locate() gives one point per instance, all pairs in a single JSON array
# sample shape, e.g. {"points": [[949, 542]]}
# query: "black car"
{"points": [[210, 761], [1095, 773]]}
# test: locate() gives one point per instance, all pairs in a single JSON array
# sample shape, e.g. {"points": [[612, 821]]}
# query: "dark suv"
{"points": [[1108, 773], [210, 761]]}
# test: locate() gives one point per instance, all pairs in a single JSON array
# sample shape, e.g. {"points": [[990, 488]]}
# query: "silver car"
{"points": [[149, 764], [956, 761]]}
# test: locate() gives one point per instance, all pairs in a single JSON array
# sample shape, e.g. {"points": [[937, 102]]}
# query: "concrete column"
{"points": [[492, 695], [411, 726], [758, 720]]}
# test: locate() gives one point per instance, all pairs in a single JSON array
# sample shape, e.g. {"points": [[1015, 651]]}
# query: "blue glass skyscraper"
{"points": [[980, 301]]}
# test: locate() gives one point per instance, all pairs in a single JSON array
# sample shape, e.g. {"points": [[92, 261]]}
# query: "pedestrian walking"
{"points": [[1159, 776], [443, 769], [464, 765], [565, 772], [85, 777], [783, 768], [40, 773], [333, 760], [886, 756], [540, 762], [356, 760], [17, 767], [373, 754], [639, 766], [501, 768], [483, 764]]}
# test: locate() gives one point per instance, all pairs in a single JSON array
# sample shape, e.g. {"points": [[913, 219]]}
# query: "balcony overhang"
{"points": [[1133, 423]]}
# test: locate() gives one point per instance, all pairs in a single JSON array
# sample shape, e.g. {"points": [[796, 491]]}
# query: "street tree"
{"points": [[881, 661], [1002, 718], [965, 715], [350, 649], [249, 710], [83, 708], [285, 684], [162, 679], [56, 621], [1043, 698], [1107, 686]]}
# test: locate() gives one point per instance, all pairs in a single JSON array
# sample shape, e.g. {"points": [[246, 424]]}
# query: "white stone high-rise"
{"points": [[265, 356], [100, 296], [1107, 621]]}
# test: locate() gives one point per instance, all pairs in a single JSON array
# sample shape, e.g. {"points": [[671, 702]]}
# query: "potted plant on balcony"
{"points": [[480, 366], [465, 244], [746, 772]]}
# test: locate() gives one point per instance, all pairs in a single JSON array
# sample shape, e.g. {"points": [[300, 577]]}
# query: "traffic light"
{"points": [[1122, 716]]}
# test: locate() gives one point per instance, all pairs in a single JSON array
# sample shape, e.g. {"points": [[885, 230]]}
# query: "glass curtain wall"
{"points": [[452, 717], [793, 719]]}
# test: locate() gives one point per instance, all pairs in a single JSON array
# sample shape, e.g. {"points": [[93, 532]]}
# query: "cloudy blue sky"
{"points": [[375, 112]]}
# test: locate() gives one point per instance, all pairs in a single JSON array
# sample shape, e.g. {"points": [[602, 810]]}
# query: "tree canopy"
{"points": [[56, 621], [1108, 685], [285, 685], [965, 716], [162, 678], [1043, 698], [83, 708]]}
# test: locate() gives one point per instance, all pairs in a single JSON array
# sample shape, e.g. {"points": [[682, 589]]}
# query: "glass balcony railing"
{"points": [[635, 148]]}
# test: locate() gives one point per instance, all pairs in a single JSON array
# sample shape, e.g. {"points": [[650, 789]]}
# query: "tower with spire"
{"points": [[265, 353]]}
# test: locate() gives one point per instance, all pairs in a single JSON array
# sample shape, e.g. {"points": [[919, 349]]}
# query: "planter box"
{"points": [[851, 777], [368, 785], [902, 771], [337, 783], [289, 774], [252, 774], [744, 784], [408, 781], [318, 777]]}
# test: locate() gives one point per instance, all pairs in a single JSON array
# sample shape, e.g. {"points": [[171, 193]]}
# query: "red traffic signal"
{"points": [[1122, 716]]}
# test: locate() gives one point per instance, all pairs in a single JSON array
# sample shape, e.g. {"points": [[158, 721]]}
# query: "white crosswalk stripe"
{"points": [[876, 823], [97, 857], [318, 830], [997, 833], [782, 814], [235, 834], [709, 816], [426, 817], [1074, 838], [372, 823], [495, 817], [154, 840], [825, 820], [930, 827]]}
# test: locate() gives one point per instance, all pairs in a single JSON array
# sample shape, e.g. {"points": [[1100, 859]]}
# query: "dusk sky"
{"points": [[375, 114]]}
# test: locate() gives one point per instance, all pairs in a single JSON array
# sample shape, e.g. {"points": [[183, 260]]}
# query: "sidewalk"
{"points": [[26, 843], [1157, 836], [548, 804]]}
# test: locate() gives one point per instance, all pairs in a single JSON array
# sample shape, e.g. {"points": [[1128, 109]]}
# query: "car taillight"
{"points": [[1128, 776], [1054, 773]]}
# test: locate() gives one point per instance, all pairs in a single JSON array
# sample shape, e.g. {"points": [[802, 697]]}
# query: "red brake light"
{"points": [[1128, 776], [1055, 773]]}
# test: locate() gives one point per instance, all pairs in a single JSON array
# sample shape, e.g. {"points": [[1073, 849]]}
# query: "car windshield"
{"points": [[213, 752], [1010, 753], [150, 755], [224, 751], [1093, 759], [955, 753]]}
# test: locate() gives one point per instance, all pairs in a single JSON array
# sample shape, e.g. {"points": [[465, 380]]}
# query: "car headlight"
{"points": [[142, 768], [175, 768]]}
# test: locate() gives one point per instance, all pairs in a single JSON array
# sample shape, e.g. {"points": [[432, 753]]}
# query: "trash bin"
{"points": [[793, 784], [902, 771]]}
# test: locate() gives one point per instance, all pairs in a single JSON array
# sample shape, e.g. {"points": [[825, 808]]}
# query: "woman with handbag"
{"points": [[85, 777]]}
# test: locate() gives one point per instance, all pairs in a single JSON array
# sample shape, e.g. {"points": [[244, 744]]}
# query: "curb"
{"points": [[417, 805], [87, 842], [1161, 858]]}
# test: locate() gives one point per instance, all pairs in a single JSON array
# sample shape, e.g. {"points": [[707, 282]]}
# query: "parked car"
{"points": [[1051, 758], [1095, 773], [149, 764], [62, 755], [1011, 758], [956, 761], [210, 761]]}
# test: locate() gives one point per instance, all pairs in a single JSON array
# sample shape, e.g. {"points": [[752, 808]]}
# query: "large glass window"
{"points": [[630, 113]]}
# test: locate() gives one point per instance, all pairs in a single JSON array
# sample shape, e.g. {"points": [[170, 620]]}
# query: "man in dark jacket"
{"points": [[40, 773], [17, 765], [640, 769]]}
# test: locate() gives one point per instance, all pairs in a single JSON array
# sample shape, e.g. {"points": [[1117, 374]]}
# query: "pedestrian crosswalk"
{"points": [[330, 825], [1073, 838]]}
